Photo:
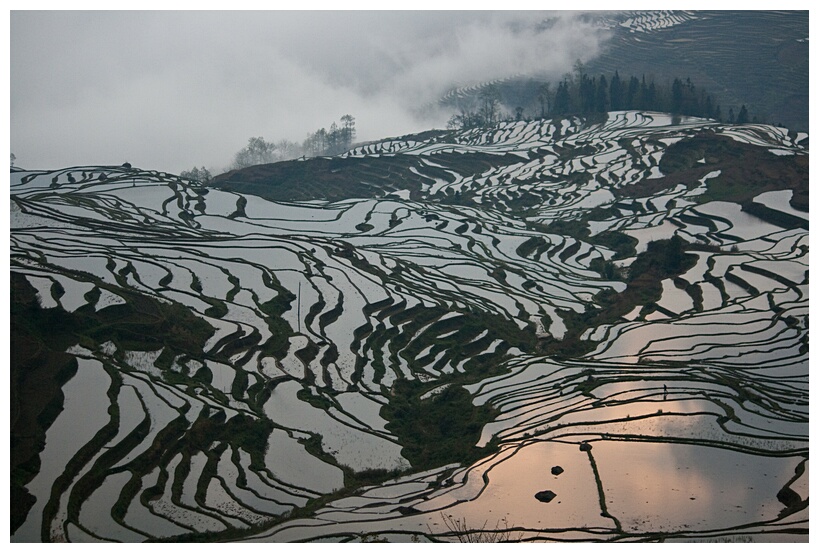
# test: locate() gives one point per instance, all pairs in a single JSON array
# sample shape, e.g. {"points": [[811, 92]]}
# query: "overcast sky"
{"points": [[172, 90]]}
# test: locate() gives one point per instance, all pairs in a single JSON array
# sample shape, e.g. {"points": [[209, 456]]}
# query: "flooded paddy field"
{"points": [[553, 331]]}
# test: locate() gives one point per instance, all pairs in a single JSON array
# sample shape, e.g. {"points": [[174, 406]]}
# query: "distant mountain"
{"points": [[411, 338], [752, 57]]}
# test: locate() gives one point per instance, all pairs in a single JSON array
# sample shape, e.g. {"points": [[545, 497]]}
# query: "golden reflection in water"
{"points": [[510, 493], [649, 488], [663, 487]]}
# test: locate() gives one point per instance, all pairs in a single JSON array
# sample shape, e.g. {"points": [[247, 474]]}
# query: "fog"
{"points": [[173, 90]]}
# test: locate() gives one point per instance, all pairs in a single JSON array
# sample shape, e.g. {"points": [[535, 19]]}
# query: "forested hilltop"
{"points": [[585, 95], [759, 59]]}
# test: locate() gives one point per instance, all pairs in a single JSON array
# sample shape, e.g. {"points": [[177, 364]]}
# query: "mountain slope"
{"points": [[429, 308]]}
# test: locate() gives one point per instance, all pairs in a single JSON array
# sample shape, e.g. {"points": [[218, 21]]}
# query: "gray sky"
{"points": [[169, 90]]}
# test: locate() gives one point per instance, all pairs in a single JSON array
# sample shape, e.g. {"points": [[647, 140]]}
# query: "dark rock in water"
{"points": [[545, 496], [585, 446], [557, 470], [407, 510]]}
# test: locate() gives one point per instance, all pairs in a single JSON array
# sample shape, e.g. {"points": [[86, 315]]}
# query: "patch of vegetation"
{"points": [[319, 401], [242, 431], [464, 532], [437, 431], [623, 245], [280, 329], [575, 228], [241, 204]]}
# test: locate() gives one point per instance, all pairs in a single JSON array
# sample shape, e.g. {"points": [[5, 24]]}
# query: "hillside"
{"points": [[755, 58], [421, 330]]}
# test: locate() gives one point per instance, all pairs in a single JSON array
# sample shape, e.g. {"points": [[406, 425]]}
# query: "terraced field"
{"points": [[423, 330]]}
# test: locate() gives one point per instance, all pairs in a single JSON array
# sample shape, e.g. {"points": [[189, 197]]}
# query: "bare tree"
{"points": [[545, 96], [336, 141], [285, 149], [490, 105], [348, 125], [257, 152], [202, 175]]}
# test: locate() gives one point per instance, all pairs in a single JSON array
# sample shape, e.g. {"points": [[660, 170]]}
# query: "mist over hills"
{"points": [[586, 323], [173, 89], [753, 58], [431, 328]]}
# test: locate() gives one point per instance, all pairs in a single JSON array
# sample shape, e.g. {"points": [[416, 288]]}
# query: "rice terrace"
{"points": [[581, 325]]}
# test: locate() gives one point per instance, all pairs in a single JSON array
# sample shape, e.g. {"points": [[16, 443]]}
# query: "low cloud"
{"points": [[170, 90]]}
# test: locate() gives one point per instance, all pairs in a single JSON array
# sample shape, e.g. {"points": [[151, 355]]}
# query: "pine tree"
{"points": [[616, 93], [632, 100], [642, 103], [602, 103], [651, 97], [709, 107], [545, 99], [562, 99], [742, 118], [348, 123], [676, 96]]}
